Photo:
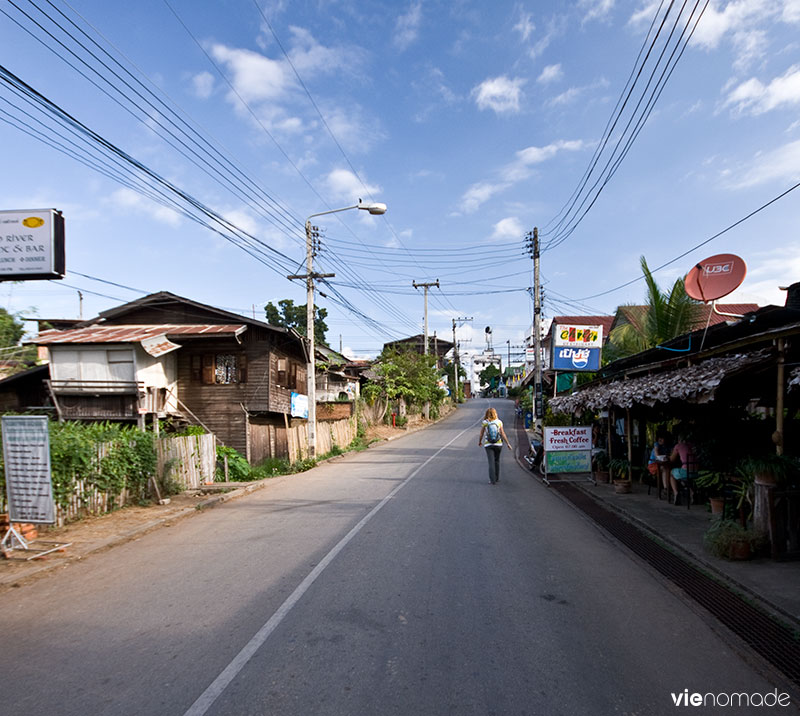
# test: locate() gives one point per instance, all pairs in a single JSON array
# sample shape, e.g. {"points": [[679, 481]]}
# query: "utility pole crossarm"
{"points": [[426, 286]]}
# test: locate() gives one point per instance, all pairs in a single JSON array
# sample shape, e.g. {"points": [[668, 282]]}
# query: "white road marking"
{"points": [[229, 673]]}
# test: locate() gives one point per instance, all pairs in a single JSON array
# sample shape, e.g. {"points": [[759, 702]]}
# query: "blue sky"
{"points": [[473, 121]]}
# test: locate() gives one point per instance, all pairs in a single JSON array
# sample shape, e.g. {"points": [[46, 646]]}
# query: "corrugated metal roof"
{"points": [[134, 333]]}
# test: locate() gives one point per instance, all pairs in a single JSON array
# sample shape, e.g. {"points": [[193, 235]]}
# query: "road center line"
{"points": [[229, 673]]}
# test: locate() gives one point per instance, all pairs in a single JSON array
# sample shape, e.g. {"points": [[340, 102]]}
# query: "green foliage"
{"points": [[288, 315], [271, 467], [724, 536], [488, 374], [11, 329], [238, 467], [667, 315], [406, 375], [104, 456]]}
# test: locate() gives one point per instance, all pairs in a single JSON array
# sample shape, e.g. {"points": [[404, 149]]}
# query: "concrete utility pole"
{"points": [[426, 286], [538, 404], [312, 239], [455, 353]]}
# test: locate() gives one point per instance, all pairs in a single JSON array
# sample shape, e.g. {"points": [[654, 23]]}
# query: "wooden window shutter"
{"points": [[196, 369], [242, 358], [208, 369]]}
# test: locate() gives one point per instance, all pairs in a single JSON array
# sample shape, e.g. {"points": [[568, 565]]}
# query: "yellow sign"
{"points": [[33, 222]]}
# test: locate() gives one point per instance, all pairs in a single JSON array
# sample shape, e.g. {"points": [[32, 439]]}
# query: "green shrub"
{"points": [[238, 468]]}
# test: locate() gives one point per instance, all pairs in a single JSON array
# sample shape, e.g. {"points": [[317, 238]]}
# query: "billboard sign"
{"points": [[575, 360], [31, 245], [26, 454], [571, 336]]}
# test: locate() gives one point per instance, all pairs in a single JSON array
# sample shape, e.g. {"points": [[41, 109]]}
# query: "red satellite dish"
{"points": [[715, 277]]}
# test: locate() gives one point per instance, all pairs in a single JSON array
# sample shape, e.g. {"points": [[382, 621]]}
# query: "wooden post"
{"points": [[779, 401], [630, 443]]}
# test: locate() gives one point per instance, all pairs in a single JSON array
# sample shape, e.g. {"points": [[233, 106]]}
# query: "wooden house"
{"points": [[168, 356]]}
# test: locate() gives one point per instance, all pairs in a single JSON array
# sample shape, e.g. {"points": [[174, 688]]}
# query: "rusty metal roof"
{"points": [[135, 333]]}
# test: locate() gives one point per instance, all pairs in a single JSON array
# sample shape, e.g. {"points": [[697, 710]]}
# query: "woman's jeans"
{"points": [[493, 454]]}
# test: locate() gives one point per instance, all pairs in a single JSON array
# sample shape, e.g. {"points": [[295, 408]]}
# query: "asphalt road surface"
{"points": [[392, 581]]}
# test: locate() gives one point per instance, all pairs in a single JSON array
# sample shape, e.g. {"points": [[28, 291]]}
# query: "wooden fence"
{"points": [[189, 461], [269, 441]]}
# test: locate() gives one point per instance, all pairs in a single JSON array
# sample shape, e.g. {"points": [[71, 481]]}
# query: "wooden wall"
{"points": [[271, 440]]}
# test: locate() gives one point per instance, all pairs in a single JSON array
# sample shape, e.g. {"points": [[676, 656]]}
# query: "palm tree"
{"points": [[665, 316]]}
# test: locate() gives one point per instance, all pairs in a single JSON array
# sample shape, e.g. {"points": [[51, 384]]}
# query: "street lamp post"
{"points": [[311, 378]]}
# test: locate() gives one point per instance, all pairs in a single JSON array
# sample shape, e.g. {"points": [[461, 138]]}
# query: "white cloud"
{"points": [[500, 94], [596, 9], [516, 171], [308, 56], [791, 11], [756, 98], [766, 272], [203, 85], [406, 28], [508, 228], [256, 78], [343, 185], [782, 164], [551, 73], [128, 199], [519, 169], [479, 194], [525, 26]]}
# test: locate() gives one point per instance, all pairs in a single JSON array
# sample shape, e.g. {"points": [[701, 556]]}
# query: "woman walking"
{"points": [[492, 427]]}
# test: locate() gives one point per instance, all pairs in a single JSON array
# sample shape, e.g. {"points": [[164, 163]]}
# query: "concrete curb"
{"points": [[693, 558]]}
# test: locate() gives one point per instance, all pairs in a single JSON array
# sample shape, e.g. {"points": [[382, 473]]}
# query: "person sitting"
{"points": [[658, 465], [683, 454]]}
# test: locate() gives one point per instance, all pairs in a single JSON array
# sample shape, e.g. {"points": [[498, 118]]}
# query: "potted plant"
{"points": [[712, 483], [601, 466], [728, 539], [769, 469], [619, 470]]}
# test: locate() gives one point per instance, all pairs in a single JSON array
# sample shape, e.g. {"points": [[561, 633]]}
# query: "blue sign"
{"points": [[576, 359], [569, 461], [299, 406]]}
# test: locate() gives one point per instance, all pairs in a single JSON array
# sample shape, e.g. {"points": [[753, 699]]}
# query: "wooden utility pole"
{"points": [[426, 286]]}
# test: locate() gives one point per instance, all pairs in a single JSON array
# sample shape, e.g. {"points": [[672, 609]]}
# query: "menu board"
{"points": [[26, 455]]}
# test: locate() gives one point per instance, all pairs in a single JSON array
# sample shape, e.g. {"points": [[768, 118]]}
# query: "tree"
{"points": [[406, 375], [11, 330], [666, 315], [291, 316], [488, 374]]}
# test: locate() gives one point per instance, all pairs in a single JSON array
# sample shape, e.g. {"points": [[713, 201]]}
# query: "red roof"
{"points": [[135, 333]]}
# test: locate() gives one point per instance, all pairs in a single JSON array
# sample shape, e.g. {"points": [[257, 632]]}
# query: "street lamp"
{"points": [[311, 378]]}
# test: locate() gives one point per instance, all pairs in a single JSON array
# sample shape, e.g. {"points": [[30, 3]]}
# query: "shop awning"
{"points": [[696, 383]]}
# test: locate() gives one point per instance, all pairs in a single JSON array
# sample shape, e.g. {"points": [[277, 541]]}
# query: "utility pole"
{"points": [[312, 243], [455, 354], [426, 286], [538, 404]]}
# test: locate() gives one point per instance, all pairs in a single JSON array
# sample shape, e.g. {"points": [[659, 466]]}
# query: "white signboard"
{"points": [[569, 336], [26, 454], [570, 438], [299, 405], [31, 244]]}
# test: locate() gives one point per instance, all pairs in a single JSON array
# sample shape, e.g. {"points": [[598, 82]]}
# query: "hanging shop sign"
{"points": [[26, 455], [575, 360], [31, 245], [571, 336]]}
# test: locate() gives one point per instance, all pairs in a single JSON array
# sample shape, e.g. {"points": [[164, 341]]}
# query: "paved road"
{"points": [[394, 581]]}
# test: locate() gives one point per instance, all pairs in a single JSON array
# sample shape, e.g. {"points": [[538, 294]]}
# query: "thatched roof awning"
{"points": [[693, 384]]}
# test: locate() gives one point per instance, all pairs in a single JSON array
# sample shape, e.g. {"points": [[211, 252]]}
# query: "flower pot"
{"points": [[601, 476], [717, 505], [622, 487], [739, 550]]}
